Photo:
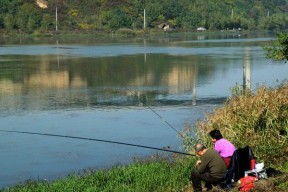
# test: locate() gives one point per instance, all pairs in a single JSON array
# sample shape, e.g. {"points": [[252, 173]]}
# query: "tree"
{"points": [[8, 6], [8, 9], [9, 21], [28, 18], [279, 49], [119, 20], [47, 22]]}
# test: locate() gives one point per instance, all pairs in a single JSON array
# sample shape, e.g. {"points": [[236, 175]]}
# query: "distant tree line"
{"points": [[28, 16]]}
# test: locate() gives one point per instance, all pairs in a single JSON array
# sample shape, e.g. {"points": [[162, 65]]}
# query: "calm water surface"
{"points": [[118, 89]]}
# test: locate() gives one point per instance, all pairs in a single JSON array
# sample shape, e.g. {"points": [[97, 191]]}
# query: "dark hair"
{"points": [[199, 147], [216, 134]]}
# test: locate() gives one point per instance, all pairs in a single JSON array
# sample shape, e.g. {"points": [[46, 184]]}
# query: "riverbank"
{"points": [[124, 32], [157, 174], [153, 174]]}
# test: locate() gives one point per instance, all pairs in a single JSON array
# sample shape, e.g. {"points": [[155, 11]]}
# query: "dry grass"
{"points": [[259, 120]]}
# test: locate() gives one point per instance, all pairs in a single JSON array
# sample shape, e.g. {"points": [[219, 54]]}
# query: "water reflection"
{"points": [[247, 69], [58, 60], [48, 77], [92, 81]]}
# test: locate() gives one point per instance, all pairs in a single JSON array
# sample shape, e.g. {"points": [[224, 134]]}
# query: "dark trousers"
{"points": [[196, 179]]}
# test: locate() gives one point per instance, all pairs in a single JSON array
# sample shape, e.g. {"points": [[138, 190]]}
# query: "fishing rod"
{"points": [[98, 140]]}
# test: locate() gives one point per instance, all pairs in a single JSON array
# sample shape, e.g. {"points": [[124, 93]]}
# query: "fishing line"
{"points": [[179, 133], [158, 115], [98, 140]]}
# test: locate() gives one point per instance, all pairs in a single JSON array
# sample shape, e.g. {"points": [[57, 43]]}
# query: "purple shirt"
{"points": [[224, 147]]}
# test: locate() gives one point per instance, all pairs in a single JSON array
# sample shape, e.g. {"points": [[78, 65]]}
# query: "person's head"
{"points": [[215, 135], [200, 149]]}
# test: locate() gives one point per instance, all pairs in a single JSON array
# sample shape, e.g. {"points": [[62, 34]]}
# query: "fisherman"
{"points": [[211, 168], [224, 147]]}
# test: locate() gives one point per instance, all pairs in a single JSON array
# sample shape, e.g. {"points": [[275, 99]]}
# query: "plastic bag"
{"points": [[247, 183]]}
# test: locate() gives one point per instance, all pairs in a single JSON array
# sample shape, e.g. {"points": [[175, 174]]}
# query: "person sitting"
{"points": [[224, 147], [210, 168]]}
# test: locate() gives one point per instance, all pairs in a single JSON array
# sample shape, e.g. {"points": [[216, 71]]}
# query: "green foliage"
{"points": [[279, 48], [152, 175], [110, 15], [237, 90], [9, 6], [9, 21], [28, 18], [259, 120], [119, 19]]}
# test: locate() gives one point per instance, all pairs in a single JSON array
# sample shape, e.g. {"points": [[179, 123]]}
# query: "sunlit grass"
{"points": [[161, 174]]}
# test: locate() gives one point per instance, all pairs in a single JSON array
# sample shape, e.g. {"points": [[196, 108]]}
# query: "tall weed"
{"points": [[258, 119]]}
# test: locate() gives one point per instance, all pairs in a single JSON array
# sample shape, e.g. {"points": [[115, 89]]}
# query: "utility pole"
{"points": [[144, 24], [56, 20]]}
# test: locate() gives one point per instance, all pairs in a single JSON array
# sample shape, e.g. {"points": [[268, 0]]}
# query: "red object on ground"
{"points": [[247, 183]]}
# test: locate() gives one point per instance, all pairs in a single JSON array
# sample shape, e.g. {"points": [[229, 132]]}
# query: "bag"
{"points": [[247, 183]]}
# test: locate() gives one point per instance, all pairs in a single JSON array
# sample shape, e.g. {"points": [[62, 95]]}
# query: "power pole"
{"points": [[56, 20], [144, 24]]}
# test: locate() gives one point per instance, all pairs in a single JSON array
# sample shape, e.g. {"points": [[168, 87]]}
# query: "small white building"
{"points": [[201, 29]]}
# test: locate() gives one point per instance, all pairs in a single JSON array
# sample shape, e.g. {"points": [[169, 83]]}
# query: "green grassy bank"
{"points": [[258, 119], [153, 174]]}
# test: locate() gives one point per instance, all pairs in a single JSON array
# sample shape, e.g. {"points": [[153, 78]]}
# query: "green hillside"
{"points": [[109, 15]]}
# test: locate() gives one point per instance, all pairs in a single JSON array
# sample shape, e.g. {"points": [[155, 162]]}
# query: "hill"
{"points": [[110, 15]]}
